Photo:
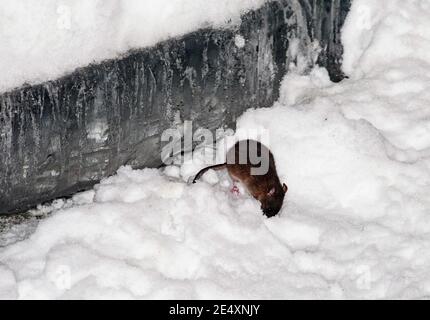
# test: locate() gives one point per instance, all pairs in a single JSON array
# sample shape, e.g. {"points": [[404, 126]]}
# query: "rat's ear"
{"points": [[271, 192], [284, 186]]}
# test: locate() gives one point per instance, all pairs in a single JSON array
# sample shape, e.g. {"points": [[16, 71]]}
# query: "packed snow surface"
{"points": [[355, 222], [41, 40]]}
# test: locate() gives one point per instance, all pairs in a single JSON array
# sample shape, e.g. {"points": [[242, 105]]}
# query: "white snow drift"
{"points": [[41, 40], [356, 219]]}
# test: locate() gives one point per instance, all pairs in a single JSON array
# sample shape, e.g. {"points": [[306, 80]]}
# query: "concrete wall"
{"points": [[65, 135]]}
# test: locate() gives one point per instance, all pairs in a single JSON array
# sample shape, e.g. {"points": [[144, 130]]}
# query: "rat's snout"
{"points": [[271, 208], [272, 203], [270, 212]]}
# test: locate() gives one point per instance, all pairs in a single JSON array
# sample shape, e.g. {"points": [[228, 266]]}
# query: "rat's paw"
{"points": [[235, 190]]}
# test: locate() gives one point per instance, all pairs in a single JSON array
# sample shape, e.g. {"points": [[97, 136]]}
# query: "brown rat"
{"points": [[252, 164]]}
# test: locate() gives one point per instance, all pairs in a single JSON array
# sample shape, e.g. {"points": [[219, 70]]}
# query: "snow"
{"points": [[356, 218], [383, 34], [239, 41], [46, 39]]}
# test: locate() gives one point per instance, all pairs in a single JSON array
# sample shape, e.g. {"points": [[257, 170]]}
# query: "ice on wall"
{"points": [[43, 40], [355, 223]]}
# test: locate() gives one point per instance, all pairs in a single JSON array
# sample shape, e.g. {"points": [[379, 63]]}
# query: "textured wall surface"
{"points": [[63, 136]]}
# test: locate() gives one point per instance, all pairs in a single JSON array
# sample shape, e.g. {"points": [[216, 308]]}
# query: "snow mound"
{"points": [[43, 40], [355, 222], [382, 34]]}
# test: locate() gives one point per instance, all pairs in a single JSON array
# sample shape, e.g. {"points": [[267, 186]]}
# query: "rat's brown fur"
{"points": [[265, 188]]}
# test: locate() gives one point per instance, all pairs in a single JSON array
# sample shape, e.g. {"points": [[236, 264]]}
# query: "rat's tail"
{"points": [[214, 167]]}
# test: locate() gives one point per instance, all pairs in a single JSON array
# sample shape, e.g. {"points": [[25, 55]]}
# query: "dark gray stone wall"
{"points": [[65, 135]]}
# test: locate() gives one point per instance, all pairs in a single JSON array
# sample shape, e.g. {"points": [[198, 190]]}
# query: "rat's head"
{"points": [[272, 202]]}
